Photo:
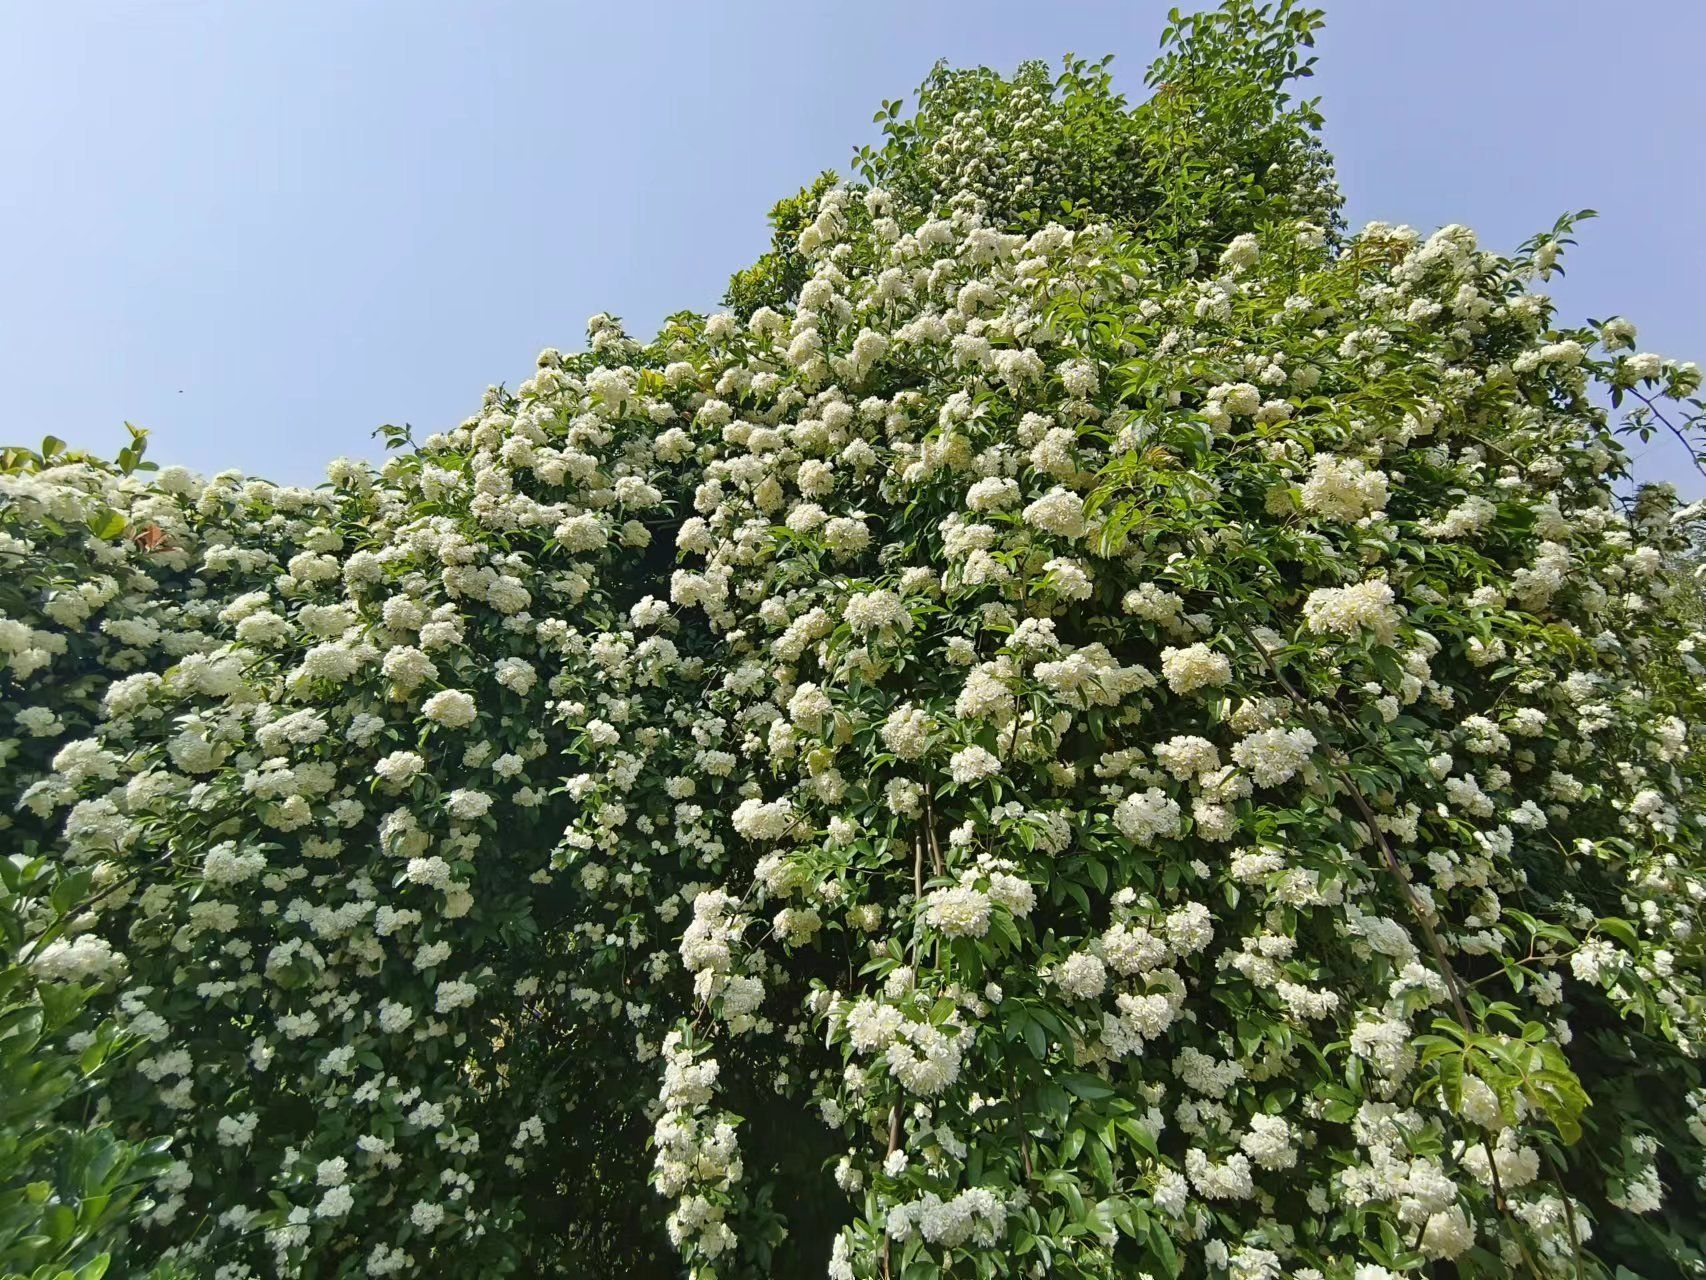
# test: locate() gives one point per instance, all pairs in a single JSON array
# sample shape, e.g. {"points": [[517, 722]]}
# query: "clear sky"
{"points": [[261, 229]]}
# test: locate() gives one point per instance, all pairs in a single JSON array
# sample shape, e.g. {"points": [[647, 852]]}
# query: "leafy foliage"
{"points": [[69, 1181], [778, 274], [1219, 148]]}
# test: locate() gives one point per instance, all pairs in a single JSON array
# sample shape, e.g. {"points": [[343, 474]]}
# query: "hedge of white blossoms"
{"points": [[1046, 752]]}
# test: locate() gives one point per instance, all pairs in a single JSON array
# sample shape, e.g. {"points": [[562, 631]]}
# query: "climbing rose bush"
{"points": [[1108, 728]]}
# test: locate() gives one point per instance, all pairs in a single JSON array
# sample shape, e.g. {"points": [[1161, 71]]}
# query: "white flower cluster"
{"points": [[1346, 611]]}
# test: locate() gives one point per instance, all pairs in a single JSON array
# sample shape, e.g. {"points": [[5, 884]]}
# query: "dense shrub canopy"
{"points": [[1094, 726]]}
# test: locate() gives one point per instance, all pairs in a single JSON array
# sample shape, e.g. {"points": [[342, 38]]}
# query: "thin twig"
{"points": [[1678, 432], [1569, 1209]]}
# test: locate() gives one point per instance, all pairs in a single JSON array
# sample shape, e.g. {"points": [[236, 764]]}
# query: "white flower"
{"points": [[516, 674], [958, 912], [1448, 1233], [1194, 667], [877, 611], [1269, 1142], [906, 732], [236, 1131], [467, 806], [756, 820], [1079, 378], [970, 764], [332, 1172], [1059, 511], [83, 958], [992, 493], [1186, 756], [426, 1216], [399, 767], [1082, 976], [452, 994], [1147, 816], [1012, 892], [1273, 756], [451, 708], [1343, 488], [407, 667], [40, 722], [926, 1059], [1227, 1180], [1348, 610]]}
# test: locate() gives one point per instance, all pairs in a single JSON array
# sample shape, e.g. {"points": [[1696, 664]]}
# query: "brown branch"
{"points": [[894, 1144], [936, 860], [1019, 1123], [1366, 811], [1390, 859], [894, 1109]]}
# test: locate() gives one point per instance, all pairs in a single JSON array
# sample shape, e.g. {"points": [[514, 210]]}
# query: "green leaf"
{"points": [[1088, 1087], [1036, 1039], [107, 525], [1072, 1145], [1103, 1164]]}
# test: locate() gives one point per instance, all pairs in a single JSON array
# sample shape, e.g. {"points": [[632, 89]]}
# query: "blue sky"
{"points": [[260, 230]]}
